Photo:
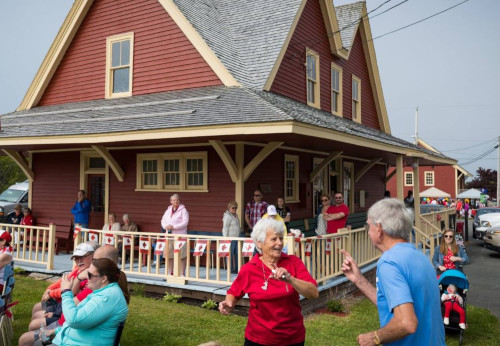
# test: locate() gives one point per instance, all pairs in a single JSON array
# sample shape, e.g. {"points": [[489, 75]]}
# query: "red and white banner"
{"points": [[93, 235], [199, 248], [328, 246], [76, 231], [248, 248], [308, 248], [160, 246], [179, 243], [127, 241], [109, 239], [224, 246], [144, 245]]}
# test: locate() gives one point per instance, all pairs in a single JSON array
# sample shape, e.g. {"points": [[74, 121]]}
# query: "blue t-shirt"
{"points": [[405, 275]]}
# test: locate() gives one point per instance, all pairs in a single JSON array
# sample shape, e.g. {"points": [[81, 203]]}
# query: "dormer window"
{"points": [[312, 68], [119, 65]]}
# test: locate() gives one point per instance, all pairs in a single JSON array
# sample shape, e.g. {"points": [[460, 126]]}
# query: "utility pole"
{"points": [[498, 174], [416, 127]]}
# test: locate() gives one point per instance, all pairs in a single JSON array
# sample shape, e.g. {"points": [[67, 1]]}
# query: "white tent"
{"points": [[434, 193], [471, 194]]}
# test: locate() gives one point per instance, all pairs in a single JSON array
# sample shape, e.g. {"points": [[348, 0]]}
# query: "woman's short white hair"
{"points": [[175, 195], [396, 220], [260, 229]]}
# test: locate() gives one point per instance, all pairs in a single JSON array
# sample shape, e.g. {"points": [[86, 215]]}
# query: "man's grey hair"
{"points": [[395, 219], [260, 229]]}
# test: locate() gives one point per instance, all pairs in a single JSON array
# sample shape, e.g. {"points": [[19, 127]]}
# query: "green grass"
{"points": [[155, 322]]}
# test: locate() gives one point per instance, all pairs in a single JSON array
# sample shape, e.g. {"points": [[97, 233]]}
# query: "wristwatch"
{"points": [[376, 340]]}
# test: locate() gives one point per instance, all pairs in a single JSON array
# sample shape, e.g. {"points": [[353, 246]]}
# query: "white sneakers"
{"points": [[446, 321], [461, 325]]}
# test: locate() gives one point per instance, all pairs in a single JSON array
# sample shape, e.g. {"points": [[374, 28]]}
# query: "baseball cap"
{"points": [[5, 235], [271, 210], [82, 249]]}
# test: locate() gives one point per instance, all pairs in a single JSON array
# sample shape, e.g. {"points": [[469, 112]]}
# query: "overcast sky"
{"points": [[448, 66]]}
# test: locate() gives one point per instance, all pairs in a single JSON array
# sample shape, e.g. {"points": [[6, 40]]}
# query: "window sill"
{"points": [[170, 190]]}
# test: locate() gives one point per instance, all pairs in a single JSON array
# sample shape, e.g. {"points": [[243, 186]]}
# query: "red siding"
{"points": [[372, 183], [290, 80], [164, 59]]}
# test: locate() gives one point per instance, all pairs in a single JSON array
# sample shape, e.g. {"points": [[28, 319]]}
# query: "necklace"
{"points": [[264, 286]]}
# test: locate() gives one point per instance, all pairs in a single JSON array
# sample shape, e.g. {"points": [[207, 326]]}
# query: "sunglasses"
{"points": [[257, 195], [234, 207], [448, 236], [324, 200], [93, 276], [338, 197]]}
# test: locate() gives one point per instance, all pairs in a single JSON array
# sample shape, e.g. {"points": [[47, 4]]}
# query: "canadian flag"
{"points": [[224, 246], [179, 243], [144, 244], [308, 248], [76, 231], [248, 248], [94, 236], [127, 241], [328, 246], [160, 246], [199, 248], [109, 239]]}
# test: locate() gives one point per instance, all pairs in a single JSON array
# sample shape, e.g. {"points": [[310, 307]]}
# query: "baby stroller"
{"points": [[457, 278]]}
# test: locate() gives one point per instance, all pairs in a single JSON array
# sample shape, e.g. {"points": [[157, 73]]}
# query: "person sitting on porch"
{"points": [[112, 225], [5, 254], [273, 281], [96, 319], [27, 220], [128, 226], [449, 255], [15, 217], [47, 311]]}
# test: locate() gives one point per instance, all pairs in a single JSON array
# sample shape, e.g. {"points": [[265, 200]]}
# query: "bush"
{"points": [[137, 290], [209, 304], [171, 298], [335, 305]]}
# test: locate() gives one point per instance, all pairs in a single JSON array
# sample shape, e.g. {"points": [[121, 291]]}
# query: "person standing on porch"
{"points": [[255, 209], [175, 221], [406, 292], [81, 210], [336, 215]]}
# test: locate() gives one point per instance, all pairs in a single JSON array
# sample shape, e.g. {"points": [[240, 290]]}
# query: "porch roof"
{"points": [[242, 110]]}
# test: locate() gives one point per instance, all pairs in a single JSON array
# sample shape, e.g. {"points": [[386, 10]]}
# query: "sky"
{"points": [[448, 66]]}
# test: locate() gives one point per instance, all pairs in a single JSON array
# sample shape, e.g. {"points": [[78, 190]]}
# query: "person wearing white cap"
{"points": [[5, 254], [272, 213]]}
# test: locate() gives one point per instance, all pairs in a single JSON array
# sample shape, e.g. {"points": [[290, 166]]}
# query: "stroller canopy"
{"points": [[456, 277]]}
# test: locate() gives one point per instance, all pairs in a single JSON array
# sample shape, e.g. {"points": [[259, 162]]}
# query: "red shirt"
{"points": [[275, 316], [447, 262], [333, 226]]}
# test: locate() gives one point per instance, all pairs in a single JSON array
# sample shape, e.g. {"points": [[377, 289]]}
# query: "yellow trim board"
{"points": [[199, 43], [21, 162], [332, 28], [55, 54]]}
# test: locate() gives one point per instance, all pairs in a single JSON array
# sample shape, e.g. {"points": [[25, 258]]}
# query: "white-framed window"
{"points": [[291, 178], [312, 77], [429, 178], [119, 65], [408, 178], [336, 85], [356, 99], [172, 172]]}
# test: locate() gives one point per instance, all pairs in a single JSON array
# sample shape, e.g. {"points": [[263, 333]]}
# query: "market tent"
{"points": [[434, 193], [471, 194]]}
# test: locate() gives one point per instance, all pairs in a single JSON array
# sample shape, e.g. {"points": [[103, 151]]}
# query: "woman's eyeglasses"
{"points": [[93, 276], [324, 200], [448, 236]]}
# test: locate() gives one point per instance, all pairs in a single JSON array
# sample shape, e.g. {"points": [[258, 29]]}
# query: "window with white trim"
{"points": [[336, 77], [119, 65], [172, 171], [429, 178], [291, 178], [312, 76], [356, 99], [408, 178]]}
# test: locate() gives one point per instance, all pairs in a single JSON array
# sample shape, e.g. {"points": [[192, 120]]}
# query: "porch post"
{"points": [[239, 184], [399, 177], [416, 192], [52, 244]]}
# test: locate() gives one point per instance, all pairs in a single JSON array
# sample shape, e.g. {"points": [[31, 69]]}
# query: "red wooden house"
{"points": [[138, 99], [447, 178]]}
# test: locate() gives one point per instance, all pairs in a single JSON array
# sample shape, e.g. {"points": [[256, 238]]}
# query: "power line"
{"points": [[481, 156], [419, 21], [474, 146]]}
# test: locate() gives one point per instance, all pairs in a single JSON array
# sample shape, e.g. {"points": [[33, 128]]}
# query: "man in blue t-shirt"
{"points": [[407, 293]]}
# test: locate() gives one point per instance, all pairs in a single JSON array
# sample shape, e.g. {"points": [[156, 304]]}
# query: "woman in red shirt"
{"points": [[449, 255], [273, 281]]}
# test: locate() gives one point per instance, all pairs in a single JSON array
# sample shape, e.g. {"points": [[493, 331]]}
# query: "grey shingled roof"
{"points": [[209, 106], [348, 18]]}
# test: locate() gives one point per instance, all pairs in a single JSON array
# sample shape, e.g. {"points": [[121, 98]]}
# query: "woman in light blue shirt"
{"points": [[96, 319]]}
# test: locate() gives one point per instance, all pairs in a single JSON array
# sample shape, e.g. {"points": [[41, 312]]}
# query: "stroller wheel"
{"points": [[461, 337]]}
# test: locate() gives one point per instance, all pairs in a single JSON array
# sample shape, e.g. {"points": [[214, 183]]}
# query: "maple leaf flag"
{"points": [[308, 248], [328, 246], [160, 246], [199, 248], [109, 239], [179, 243], [127, 241], [76, 231], [94, 236], [224, 246], [144, 245], [248, 248]]}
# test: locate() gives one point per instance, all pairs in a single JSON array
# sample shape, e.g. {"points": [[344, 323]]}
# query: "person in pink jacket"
{"points": [[175, 221]]}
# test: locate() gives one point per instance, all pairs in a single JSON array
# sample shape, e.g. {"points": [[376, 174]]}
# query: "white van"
{"points": [[16, 194]]}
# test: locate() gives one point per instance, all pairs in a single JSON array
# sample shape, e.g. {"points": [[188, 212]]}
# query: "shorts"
{"points": [[36, 335], [171, 249]]}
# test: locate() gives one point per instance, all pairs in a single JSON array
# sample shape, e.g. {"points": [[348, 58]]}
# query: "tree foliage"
{"points": [[10, 173], [485, 178]]}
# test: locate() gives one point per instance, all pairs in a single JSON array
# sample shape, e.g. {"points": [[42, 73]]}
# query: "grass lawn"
{"points": [[154, 322]]}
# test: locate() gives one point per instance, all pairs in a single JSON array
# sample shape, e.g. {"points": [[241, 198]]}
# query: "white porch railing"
{"points": [[33, 244]]}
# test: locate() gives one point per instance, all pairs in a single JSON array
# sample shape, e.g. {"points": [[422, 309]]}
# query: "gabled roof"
{"points": [[348, 18]]}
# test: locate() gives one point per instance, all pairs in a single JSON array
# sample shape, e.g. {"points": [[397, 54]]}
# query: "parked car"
{"points": [[482, 211], [487, 221], [492, 238], [16, 194]]}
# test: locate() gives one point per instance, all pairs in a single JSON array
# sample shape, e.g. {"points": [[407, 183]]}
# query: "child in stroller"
{"points": [[453, 301]]}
